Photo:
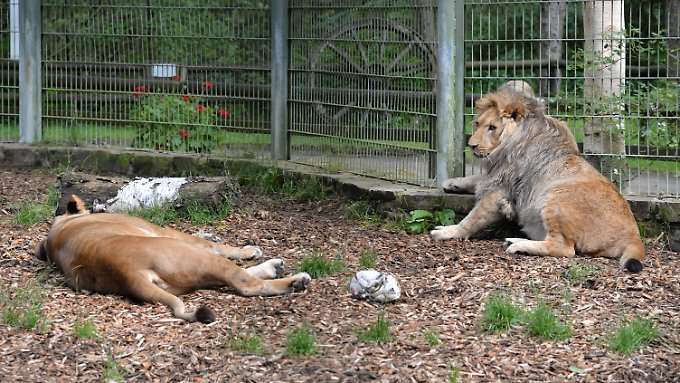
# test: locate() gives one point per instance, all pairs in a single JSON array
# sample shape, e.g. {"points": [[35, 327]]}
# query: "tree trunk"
{"points": [[105, 192], [605, 68], [552, 24]]}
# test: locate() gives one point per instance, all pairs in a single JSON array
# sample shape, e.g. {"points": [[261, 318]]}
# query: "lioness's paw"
{"points": [[301, 281], [510, 241], [254, 252], [517, 248], [442, 233], [454, 185], [279, 267]]}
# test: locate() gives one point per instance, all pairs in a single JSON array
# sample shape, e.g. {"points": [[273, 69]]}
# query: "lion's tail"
{"points": [[632, 257]]}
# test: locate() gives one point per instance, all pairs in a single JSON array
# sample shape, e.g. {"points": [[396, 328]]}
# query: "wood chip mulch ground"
{"points": [[444, 288]]}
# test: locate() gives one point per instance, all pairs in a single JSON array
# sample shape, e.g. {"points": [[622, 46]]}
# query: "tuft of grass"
{"points": [[378, 332], [368, 259], [202, 214], [454, 374], [578, 273], [500, 314], [112, 371], [317, 265], [85, 329], [301, 342], [30, 213], [160, 215], [633, 336], [363, 211], [21, 307], [251, 344], [432, 338], [275, 182], [543, 323]]}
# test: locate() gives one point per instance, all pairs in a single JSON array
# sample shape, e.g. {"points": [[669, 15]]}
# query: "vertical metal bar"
{"points": [[450, 93], [279, 91], [30, 113]]}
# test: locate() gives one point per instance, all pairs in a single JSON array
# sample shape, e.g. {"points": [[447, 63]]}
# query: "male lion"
{"points": [[124, 255], [534, 174]]}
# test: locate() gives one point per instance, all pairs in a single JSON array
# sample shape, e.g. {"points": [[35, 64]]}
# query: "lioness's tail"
{"points": [[632, 256], [142, 288]]}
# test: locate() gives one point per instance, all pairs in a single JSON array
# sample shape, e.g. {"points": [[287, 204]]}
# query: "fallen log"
{"points": [[119, 194]]}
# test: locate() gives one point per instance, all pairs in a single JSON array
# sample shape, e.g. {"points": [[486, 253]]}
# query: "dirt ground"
{"points": [[444, 288]]}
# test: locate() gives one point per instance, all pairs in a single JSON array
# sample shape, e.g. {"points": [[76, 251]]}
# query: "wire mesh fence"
{"points": [[184, 76], [362, 82], [9, 82], [607, 68], [194, 76]]}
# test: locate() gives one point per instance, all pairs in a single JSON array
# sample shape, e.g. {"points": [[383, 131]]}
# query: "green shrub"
{"points": [[317, 265], [633, 336], [160, 214], [30, 213], [21, 307], [368, 259], [543, 323], [500, 314], [85, 329], [421, 221], [378, 332], [301, 342], [251, 344]]}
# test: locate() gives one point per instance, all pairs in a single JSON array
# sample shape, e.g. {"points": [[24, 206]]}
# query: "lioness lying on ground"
{"points": [[535, 175], [124, 255]]}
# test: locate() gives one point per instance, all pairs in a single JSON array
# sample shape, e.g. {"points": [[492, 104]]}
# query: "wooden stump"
{"points": [[104, 190]]}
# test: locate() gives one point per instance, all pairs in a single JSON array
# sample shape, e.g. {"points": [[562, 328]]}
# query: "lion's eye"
{"points": [[492, 128]]}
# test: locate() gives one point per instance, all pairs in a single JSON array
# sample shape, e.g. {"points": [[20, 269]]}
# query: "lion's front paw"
{"points": [[518, 247], [301, 281], [455, 185], [448, 232], [251, 252]]}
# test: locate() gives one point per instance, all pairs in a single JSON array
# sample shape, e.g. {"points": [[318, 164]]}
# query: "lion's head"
{"points": [[499, 115]]}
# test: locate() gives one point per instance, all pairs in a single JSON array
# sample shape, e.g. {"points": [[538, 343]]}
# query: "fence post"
{"points": [[30, 84], [450, 91], [279, 87]]}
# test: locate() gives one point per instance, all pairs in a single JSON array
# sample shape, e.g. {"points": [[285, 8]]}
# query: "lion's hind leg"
{"points": [[549, 247], [143, 288]]}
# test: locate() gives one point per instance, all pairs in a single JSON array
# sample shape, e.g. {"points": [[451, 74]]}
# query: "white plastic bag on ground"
{"points": [[375, 286]]}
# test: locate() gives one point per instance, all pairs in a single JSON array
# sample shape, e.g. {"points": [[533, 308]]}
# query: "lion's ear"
{"points": [[485, 103], [515, 110]]}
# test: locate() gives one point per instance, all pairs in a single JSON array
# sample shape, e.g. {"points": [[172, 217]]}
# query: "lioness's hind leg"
{"points": [[270, 269], [144, 289]]}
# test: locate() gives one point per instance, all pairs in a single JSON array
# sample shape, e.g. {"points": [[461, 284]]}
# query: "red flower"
{"points": [[223, 113], [200, 108], [185, 98], [207, 85], [176, 78], [138, 91], [183, 134]]}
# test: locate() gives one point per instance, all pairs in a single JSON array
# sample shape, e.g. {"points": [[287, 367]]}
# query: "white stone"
{"points": [[375, 286]]}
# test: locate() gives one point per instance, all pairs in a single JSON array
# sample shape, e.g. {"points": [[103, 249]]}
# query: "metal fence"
{"points": [[195, 76]]}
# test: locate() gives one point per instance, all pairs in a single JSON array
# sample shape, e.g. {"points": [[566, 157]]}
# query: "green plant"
{"points": [[85, 329], [363, 211], [421, 221], [301, 342], [113, 371], [454, 374], [21, 307], [578, 273], [30, 213], [173, 123], [543, 323], [432, 338], [633, 335], [251, 344], [368, 259], [159, 214], [202, 214], [500, 314], [274, 181], [378, 332], [317, 265]]}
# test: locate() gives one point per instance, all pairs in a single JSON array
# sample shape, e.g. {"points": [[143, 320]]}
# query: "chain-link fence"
{"points": [[195, 76]]}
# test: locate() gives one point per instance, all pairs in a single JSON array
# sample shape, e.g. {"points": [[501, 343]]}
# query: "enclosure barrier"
{"points": [[368, 87]]}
